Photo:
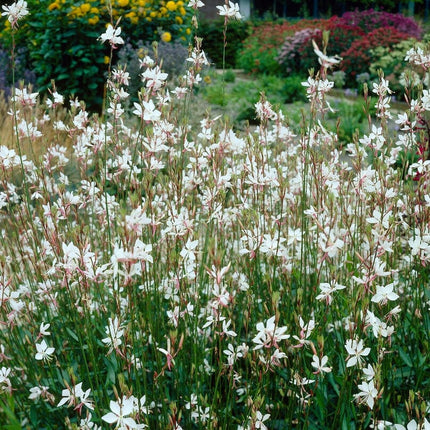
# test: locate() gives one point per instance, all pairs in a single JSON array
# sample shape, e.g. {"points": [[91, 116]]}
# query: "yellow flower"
{"points": [[163, 10], [132, 17], [53, 6], [188, 31], [141, 3], [182, 11], [171, 5], [94, 10], [123, 3], [153, 14], [180, 3], [106, 59], [85, 8], [93, 21], [207, 79], [179, 20], [166, 37]]}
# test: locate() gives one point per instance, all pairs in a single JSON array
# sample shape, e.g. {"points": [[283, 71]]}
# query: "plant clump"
{"points": [[166, 271]]}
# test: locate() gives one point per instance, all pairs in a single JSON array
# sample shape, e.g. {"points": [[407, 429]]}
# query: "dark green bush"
{"points": [[213, 41], [293, 90], [62, 38], [229, 76]]}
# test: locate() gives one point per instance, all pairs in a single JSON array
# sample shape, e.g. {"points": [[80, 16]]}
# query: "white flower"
{"points": [[195, 4], [231, 354], [327, 289], [70, 395], [369, 372], [355, 350], [112, 36], [154, 78], [148, 113], [115, 333], [413, 425], [119, 412], [367, 394], [43, 330], [5, 383], [320, 365], [36, 392], [44, 352], [15, 12], [259, 420], [323, 59], [230, 11], [384, 293], [269, 335]]}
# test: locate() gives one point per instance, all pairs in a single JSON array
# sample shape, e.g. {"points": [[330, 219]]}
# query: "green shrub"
{"points": [[390, 60], [62, 39], [293, 90], [67, 51], [171, 55], [358, 58], [213, 41], [229, 76]]}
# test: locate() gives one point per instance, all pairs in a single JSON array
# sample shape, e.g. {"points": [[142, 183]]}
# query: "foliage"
{"points": [[229, 76], [171, 55], [350, 119], [261, 47], [341, 36], [338, 77], [164, 270], [352, 36], [289, 55], [22, 69], [61, 39], [358, 58], [369, 20], [213, 41], [292, 90], [390, 60], [243, 95]]}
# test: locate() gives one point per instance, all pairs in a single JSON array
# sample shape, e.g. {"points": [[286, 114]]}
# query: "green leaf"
{"points": [[8, 408], [405, 357], [72, 334], [62, 77]]}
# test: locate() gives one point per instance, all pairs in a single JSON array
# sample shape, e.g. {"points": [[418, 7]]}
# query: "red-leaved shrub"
{"points": [[357, 58], [341, 37], [369, 20]]}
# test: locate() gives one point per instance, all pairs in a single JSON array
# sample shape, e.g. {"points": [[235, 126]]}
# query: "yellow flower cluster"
{"points": [[146, 19], [57, 4]]}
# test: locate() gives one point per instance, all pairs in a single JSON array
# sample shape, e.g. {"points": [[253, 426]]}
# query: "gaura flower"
{"points": [[195, 4], [15, 12], [119, 414], [112, 35], [356, 351], [230, 11], [44, 352]]}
